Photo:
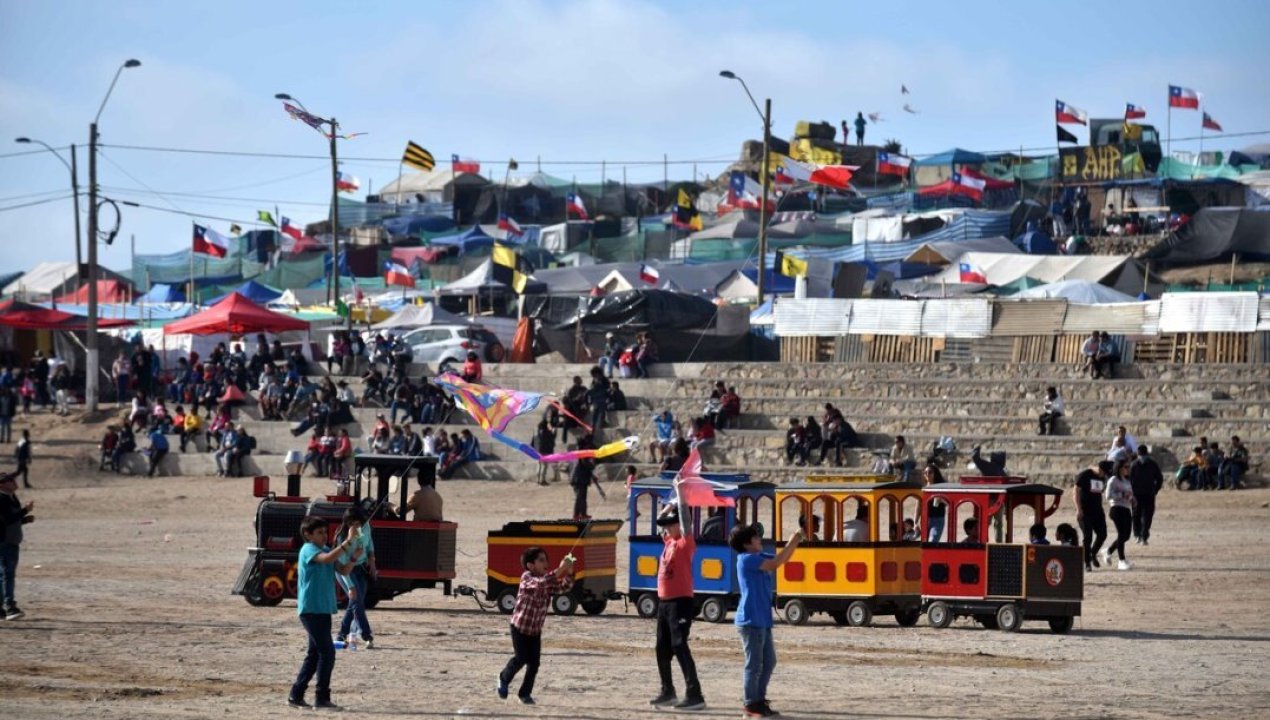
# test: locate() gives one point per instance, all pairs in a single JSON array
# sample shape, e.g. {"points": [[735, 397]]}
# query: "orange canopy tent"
{"points": [[235, 315]]}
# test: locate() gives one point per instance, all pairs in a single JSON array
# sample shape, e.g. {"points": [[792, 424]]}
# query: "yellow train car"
{"points": [[861, 555]]}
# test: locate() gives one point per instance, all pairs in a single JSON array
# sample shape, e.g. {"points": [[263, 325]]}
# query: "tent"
{"points": [[944, 252], [300, 297], [25, 316], [46, 278], [413, 316], [1083, 292], [163, 293], [472, 239], [733, 225], [1035, 242], [414, 225], [235, 315], [253, 291], [955, 156], [1216, 233], [108, 291], [1121, 272], [481, 280], [437, 185]]}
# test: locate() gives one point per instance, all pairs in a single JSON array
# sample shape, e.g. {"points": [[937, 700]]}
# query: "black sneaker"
{"points": [[501, 688], [692, 702], [667, 697], [298, 703], [14, 613], [326, 705], [527, 700], [753, 710], [1095, 561], [767, 709]]}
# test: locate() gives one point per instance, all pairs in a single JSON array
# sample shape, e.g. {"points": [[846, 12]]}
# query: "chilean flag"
{"points": [[1065, 113], [1211, 124], [743, 191], [347, 183], [464, 165], [210, 242], [889, 164], [649, 274], [1134, 112], [288, 229], [1181, 97], [834, 176], [973, 185], [972, 274], [505, 222], [573, 204], [791, 171], [397, 274]]}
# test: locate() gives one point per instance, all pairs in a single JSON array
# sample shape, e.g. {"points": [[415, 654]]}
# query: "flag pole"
{"points": [[1198, 159], [189, 297], [1168, 144]]}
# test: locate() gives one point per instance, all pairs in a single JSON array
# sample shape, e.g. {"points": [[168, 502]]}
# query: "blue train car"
{"points": [[714, 564]]}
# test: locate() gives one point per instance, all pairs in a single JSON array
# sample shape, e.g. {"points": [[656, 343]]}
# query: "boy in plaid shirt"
{"points": [[537, 585]]}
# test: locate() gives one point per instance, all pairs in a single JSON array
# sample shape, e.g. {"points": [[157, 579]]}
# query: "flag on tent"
{"points": [[1070, 114], [686, 215], [235, 229], [892, 164], [1183, 97], [304, 116], [397, 274], [346, 182], [264, 217], [209, 242], [573, 205], [790, 266], [696, 490], [743, 190], [1134, 112], [1211, 124], [464, 165], [416, 157], [341, 308], [972, 274], [289, 229], [649, 274], [506, 268], [974, 185], [1064, 136], [505, 222]]}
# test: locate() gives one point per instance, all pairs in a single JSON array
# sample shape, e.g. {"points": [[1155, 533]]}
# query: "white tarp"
{"points": [[959, 318], [1209, 312], [45, 278], [1005, 268], [811, 316], [416, 316], [1086, 292], [886, 317]]}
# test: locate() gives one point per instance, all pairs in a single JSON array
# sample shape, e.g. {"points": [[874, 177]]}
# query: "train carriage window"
{"points": [[1021, 520], [822, 526], [759, 511], [714, 529], [856, 523], [937, 521], [957, 516], [646, 509], [791, 508], [911, 509], [889, 529]]}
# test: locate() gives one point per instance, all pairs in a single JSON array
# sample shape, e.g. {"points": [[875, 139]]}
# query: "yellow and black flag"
{"points": [[790, 266], [506, 268], [416, 157], [686, 215]]}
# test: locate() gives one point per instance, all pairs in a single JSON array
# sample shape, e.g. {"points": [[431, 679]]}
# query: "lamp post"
{"points": [[72, 166], [333, 283], [766, 116], [90, 342]]}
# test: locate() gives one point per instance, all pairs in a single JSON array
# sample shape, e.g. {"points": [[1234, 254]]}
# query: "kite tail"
{"points": [[568, 414]]}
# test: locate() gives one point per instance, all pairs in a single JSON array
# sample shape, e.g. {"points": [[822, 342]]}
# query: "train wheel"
{"points": [[939, 615], [796, 612], [713, 610], [1062, 626], [507, 601], [1009, 618], [646, 605], [907, 617], [564, 605], [839, 617], [859, 614], [594, 607]]}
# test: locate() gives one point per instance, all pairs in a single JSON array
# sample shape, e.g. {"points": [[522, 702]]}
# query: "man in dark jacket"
{"points": [[580, 479], [13, 515], [1146, 479]]}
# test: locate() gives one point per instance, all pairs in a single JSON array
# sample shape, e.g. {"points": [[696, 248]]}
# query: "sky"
{"points": [[567, 83]]}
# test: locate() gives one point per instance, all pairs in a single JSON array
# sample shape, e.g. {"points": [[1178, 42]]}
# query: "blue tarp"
{"points": [[1036, 243], [473, 239], [117, 311], [956, 156], [901, 270], [413, 225], [774, 282], [972, 225], [163, 293], [253, 291]]}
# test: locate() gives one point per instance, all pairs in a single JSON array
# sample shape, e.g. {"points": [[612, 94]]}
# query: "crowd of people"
{"points": [[831, 433]]}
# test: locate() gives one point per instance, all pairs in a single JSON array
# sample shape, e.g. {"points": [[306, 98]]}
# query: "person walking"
{"points": [[754, 570], [22, 453], [13, 515], [362, 570], [1147, 481], [580, 480], [1090, 484], [315, 603], [1120, 498], [537, 585], [676, 609]]}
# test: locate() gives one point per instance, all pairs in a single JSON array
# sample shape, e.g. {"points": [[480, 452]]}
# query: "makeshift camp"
{"points": [[481, 281], [163, 293], [108, 291], [730, 226], [253, 291], [1214, 234], [944, 252], [471, 240], [416, 316], [1085, 292], [25, 316], [235, 315], [1122, 272]]}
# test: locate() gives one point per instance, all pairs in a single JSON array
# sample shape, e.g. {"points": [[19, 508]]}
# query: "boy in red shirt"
{"points": [[537, 585], [675, 610]]}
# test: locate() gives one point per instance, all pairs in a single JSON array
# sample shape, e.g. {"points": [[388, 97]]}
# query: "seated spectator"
{"points": [[610, 356], [663, 425], [472, 371], [379, 441], [1051, 411], [374, 382], [902, 460], [413, 445], [794, 446], [216, 429], [712, 529], [617, 398], [1213, 459], [127, 443], [731, 407], [228, 443], [1118, 452], [1193, 469], [679, 452], [702, 433], [813, 438], [713, 407], [837, 433], [857, 529], [467, 450], [107, 447], [626, 362], [319, 415], [1235, 465], [313, 454], [910, 531], [1065, 534], [190, 429], [246, 443], [1130, 442], [646, 355], [397, 442], [970, 532], [1036, 535], [139, 418], [341, 454], [1095, 359], [1108, 354], [443, 445]]}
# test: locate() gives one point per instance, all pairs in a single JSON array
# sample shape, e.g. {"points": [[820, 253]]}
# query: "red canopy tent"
{"points": [[236, 315], [25, 316], [108, 291]]}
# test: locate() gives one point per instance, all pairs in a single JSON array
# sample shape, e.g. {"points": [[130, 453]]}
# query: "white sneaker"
{"points": [[1123, 565]]}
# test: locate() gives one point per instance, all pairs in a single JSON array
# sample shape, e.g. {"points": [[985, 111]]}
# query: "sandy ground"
{"points": [[126, 583]]}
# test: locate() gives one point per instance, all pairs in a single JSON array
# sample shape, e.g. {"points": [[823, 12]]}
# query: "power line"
{"points": [[20, 153], [67, 196], [230, 200], [31, 195], [238, 221]]}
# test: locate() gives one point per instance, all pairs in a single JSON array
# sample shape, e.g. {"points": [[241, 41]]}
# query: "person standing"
{"points": [[675, 609], [860, 123], [544, 441], [1147, 480], [1051, 411], [362, 570], [1120, 498], [754, 570], [8, 408], [14, 515], [120, 370], [22, 453], [315, 604], [580, 479], [158, 449], [1088, 492], [537, 585]]}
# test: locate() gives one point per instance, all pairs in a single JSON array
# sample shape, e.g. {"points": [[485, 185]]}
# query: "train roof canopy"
{"points": [[863, 484]]}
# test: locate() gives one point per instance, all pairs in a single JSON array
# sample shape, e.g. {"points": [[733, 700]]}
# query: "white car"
{"points": [[450, 344]]}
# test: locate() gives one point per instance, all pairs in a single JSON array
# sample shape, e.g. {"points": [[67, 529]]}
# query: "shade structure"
{"points": [[108, 291], [236, 315], [254, 291], [25, 316], [414, 316]]}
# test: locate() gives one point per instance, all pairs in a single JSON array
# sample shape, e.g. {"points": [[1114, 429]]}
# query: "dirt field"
{"points": [[126, 582]]}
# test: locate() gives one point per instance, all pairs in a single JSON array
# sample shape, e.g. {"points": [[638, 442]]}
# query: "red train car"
{"points": [[594, 547]]}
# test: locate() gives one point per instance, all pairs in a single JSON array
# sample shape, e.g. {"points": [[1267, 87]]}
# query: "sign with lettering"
{"points": [[1091, 163]]}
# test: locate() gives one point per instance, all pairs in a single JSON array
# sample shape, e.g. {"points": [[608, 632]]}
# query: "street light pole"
{"points": [[335, 220], [766, 116], [72, 166]]}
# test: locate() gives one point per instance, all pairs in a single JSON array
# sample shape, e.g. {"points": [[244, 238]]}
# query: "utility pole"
{"points": [[335, 219], [762, 207], [79, 257], [90, 342]]}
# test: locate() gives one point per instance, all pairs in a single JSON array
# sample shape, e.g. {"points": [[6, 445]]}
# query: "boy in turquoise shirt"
{"points": [[754, 612], [315, 603]]}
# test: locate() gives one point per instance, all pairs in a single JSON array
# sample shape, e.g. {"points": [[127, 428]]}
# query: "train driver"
{"points": [[425, 502]]}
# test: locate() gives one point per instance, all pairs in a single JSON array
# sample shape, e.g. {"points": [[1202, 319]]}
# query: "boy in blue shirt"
{"points": [[315, 601], [754, 612]]}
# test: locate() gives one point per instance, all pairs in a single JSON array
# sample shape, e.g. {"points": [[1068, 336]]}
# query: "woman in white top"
{"points": [[1120, 497]]}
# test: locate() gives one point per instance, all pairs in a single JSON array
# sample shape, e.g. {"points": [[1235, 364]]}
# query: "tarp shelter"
{"points": [[937, 168], [253, 291], [1214, 234], [946, 251], [163, 293], [47, 279], [731, 226], [25, 316], [300, 297], [235, 315], [578, 280], [481, 280], [414, 316], [1084, 292], [414, 225], [1121, 272], [108, 291], [471, 240], [1034, 242]]}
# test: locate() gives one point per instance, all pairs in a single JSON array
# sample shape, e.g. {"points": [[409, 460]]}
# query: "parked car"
{"points": [[450, 344]]}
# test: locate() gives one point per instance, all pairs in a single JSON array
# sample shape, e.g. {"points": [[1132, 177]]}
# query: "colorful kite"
{"points": [[493, 408]]}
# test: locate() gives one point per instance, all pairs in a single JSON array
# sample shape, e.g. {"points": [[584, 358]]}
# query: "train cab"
{"points": [[857, 560], [714, 580], [981, 565]]}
